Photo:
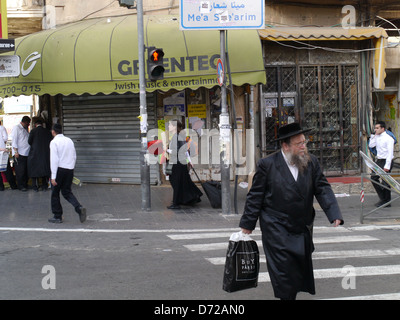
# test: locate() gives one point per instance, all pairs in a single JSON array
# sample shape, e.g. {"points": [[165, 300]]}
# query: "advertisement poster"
{"points": [[175, 105], [197, 110]]}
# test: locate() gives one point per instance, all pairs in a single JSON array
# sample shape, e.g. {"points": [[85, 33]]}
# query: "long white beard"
{"points": [[300, 161]]}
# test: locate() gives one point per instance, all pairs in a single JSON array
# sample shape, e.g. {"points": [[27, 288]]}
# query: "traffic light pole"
{"points": [[225, 138], [144, 164]]}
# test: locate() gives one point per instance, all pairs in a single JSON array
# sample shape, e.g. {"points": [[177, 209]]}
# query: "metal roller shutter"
{"points": [[105, 130]]}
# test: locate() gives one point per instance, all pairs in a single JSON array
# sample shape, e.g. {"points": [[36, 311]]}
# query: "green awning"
{"points": [[101, 56]]}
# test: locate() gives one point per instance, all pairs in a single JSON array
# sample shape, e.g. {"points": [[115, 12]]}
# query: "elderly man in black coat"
{"points": [[281, 196], [39, 155]]}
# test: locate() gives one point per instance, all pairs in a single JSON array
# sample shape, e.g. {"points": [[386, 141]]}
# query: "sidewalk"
{"points": [[350, 185], [119, 207]]}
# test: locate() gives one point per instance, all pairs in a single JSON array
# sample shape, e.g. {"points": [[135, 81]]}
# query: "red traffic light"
{"points": [[156, 55], [155, 68]]}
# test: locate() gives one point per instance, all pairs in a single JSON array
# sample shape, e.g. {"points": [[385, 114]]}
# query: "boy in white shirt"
{"points": [[384, 144], [62, 164]]}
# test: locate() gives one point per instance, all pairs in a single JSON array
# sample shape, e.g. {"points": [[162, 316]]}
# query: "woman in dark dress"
{"points": [[185, 191]]}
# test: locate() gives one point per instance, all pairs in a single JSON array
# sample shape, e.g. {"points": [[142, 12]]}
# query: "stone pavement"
{"points": [[119, 206]]}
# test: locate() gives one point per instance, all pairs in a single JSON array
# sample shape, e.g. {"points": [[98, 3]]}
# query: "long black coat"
{"points": [[39, 154], [285, 209], [185, 191]]}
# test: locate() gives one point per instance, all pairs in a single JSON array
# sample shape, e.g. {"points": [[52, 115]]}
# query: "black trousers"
{"points": [[9, 176], [21, 171], [384, 194], [64, 181]]}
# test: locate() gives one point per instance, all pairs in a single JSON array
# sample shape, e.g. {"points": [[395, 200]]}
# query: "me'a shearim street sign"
{"points": [[221, 14]]}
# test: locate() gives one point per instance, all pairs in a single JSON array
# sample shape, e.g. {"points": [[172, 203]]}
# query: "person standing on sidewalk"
{"points": [[9, 173], [39, 155], [384, 144], [281, 197], [185, 192], [20, 151], [62, 164]]}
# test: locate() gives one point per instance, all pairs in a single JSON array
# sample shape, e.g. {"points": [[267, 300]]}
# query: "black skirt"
{"points": [[185, 191]]}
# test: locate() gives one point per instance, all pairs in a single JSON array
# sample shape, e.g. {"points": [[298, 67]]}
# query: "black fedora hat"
{"points": [[291, 130]]}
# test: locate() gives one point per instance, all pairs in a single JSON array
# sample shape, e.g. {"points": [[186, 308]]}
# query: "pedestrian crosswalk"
{"points": [[332, 244]]}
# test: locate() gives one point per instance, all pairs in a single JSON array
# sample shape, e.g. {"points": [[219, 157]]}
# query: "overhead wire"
{"points": [[94, 12], [314, 47]]}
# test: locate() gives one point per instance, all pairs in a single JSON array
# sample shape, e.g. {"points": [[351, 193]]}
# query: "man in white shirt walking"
{"points": [[384, 144], [20, 152], [62, 164]]}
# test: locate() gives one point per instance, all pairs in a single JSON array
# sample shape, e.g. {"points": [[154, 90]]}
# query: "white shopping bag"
{"points": [[3, 160]]}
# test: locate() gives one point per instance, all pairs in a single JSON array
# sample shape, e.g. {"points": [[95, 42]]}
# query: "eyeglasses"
{"points": [[300, 144]]}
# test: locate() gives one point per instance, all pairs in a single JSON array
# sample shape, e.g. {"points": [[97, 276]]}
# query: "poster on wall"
{"points": [[174, 105], [269, 105], [197, 110]]}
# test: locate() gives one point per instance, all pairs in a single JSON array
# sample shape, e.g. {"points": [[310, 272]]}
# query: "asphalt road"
{"points": [[123, 253], [179, 264]]}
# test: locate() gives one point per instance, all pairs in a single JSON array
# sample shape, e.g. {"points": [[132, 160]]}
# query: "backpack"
{"points": [[390, 133]]}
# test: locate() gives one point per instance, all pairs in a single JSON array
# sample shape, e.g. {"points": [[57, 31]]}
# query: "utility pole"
{"points": [[225, 137], [144, 163]]}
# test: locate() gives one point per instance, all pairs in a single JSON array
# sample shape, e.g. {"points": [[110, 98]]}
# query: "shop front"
{"points": [[321, 77], [86, 75]]}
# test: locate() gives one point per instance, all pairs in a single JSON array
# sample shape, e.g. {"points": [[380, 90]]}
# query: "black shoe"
{"points": [[82, 213], [174, 207], [23, 189], [381, 203], [387, 206], [55, 220]]}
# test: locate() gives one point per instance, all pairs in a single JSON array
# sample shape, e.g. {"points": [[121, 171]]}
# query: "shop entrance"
{"points": [[324, 98], [106, 133]]}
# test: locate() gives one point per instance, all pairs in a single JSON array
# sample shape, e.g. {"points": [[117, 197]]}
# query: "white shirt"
{"points": [[3, 134], [384, 147], [20, 140], [62, 154], [293, 169], [3, 137]]}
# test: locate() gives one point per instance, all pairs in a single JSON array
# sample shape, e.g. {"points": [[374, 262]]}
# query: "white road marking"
{"points": [[387, 296], [330, 255], [340, 239], [339, 273], [209, 235], [195, 236], [322, 240], [369, 253], [375, 227], [115, 230]]}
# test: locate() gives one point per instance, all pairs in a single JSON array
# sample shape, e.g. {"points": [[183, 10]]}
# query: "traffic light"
{"points": [[155, 68], [127, 3]]}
